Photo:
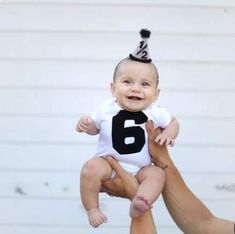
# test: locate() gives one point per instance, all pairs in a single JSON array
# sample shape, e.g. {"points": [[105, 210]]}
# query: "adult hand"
{"points": [[123, 184], [158, 152]]}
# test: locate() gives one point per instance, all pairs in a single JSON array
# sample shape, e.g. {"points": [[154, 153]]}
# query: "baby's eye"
{"points": [[127, 81], [146, 84]]}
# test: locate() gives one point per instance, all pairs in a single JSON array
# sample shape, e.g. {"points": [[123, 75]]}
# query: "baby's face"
{"points": [[135, 86]]}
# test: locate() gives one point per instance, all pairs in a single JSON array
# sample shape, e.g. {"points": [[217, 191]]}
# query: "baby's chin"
{"points": [[134, 106], [133, 109]]}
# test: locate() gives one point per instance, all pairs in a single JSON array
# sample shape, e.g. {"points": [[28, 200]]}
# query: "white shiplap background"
{"points": [[56, 61]]}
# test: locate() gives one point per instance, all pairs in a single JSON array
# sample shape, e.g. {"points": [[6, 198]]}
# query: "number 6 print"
{"points": [[120, 132]]}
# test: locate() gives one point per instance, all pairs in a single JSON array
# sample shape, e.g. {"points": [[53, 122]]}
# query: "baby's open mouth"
{"points": [[134, 98]]}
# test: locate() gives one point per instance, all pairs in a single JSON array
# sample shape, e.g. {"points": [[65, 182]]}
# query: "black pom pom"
{"points": [[145, 33]]}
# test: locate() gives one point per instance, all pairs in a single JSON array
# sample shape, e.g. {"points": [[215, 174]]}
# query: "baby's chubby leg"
{"points": [[92, 174], [152, 180]]}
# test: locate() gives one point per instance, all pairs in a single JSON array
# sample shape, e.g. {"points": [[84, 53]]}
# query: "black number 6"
{"points": [[120, 133]]}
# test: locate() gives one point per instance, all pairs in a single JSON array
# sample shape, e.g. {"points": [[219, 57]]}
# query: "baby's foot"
{"points": [[96, 217], [139, 205]]}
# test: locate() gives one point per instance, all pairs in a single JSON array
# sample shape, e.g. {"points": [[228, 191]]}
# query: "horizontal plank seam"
{"points": [[102, 89], [60, 198], [76, 143], [75, 116], [159, 33], [114, 200], [110, 60], [59, 225], [108, 4], [77, 171]]}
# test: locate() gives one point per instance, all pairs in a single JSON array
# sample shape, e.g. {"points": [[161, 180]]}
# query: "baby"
{"points": [[120, 123]]}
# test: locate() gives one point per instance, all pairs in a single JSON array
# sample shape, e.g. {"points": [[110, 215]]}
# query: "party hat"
{"points": [[141, 54]]}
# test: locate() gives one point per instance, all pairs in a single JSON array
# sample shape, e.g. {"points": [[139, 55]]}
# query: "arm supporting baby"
{"points": [[125, 185], [188, 212]]}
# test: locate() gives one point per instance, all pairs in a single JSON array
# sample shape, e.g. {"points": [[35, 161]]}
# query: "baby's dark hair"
{"points": [[128, 59]]}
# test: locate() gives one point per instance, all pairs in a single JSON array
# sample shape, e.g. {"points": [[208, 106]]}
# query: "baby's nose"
{"points": [[136, 87]]}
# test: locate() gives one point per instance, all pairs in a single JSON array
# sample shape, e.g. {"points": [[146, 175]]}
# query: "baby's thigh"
{"points": [[150, 172], [97, 167]]}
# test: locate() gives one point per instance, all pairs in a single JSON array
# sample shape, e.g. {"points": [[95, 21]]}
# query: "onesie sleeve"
{"points": [[96, 116], [161, 117], [99, 113]]}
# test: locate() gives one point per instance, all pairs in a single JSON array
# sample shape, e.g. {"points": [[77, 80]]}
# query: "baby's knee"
{"points": [[95, 168], [159, 173], [90, 167], [153, 172]]}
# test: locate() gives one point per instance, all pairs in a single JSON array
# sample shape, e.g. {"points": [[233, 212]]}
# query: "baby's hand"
{"points": [[163, 138], [84, 124]]}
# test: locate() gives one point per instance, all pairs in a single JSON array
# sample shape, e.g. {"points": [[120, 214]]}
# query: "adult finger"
{"points": [[115, 166], [152, 131]]}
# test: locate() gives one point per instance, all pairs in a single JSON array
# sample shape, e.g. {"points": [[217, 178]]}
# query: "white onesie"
{"points": [[123, 135]]}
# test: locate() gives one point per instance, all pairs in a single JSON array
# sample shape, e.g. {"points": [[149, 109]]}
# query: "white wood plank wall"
{"points": [[56, 63]]}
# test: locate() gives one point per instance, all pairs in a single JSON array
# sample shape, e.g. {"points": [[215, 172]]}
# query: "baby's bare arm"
{"points": [[86, 124], [169, 134]]}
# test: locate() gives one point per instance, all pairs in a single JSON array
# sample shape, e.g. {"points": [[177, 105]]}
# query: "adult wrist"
{"points": [[164, 166]]}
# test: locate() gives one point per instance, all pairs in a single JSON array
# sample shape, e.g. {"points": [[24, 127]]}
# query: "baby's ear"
{"points": [[112, 88], [157, 94]]}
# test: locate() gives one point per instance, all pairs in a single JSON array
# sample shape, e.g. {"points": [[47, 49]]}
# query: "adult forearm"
{"points": [[188, 212], [185, 208], [143, 224]]}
